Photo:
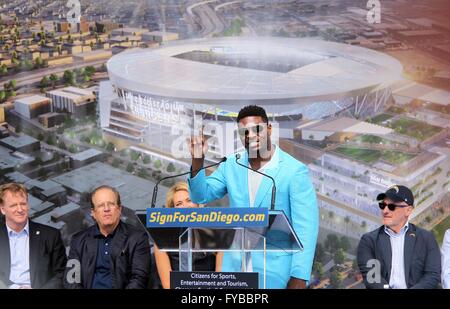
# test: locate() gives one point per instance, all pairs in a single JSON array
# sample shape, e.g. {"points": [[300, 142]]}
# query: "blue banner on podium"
{"points": [[207, 217]]}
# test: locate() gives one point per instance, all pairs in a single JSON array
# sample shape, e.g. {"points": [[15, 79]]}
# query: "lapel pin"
{"points": [[412, 234], [38, 232]]}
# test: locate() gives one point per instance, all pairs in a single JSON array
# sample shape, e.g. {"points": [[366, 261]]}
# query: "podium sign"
{"points": [[244, 247], [217, 217], [213, 280]]}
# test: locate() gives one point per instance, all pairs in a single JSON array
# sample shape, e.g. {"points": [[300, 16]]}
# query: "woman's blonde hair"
{"points": [[179, 186]]}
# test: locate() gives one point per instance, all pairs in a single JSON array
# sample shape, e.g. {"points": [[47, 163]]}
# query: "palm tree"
{"points": [[346, 220]]}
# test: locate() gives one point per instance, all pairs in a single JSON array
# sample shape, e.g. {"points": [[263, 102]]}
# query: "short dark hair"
{"points": [[252, 110], [106, 187]]}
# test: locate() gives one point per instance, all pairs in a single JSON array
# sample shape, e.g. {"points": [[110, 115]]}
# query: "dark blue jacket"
{"points": [[47, 256], [422, 258], [130, 258]]}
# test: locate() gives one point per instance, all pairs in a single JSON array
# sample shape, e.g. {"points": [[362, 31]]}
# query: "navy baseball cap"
{"points": [[397, 194]]}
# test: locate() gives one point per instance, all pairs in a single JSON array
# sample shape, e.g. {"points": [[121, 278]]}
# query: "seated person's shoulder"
{"points": [[44, 229], [372, 235], [427, 235], [134, 231], [81, 235]]}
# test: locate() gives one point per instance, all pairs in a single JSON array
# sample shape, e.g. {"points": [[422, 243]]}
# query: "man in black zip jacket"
{"points": [[111, 254]]}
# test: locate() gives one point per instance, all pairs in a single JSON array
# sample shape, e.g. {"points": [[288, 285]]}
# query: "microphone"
{"points": [[274, 188], [155, 189]]}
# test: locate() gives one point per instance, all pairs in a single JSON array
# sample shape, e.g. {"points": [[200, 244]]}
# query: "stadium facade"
{"points": [[155, 94]]}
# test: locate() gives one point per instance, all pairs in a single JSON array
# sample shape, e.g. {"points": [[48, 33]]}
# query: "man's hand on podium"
{"points": [[295, 283]]}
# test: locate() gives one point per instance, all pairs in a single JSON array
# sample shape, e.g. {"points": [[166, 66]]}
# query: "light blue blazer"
{"points": [[295, 196]]}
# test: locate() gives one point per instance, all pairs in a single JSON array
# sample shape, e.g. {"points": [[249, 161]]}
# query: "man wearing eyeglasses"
{"points": [[110, 254], [399, 255], [246, 188]]}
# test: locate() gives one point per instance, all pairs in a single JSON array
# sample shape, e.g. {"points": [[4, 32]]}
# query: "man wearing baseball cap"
{"points": [[399, 255]]}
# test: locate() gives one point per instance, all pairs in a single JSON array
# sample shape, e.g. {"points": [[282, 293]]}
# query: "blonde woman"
{"points": [[178, 197]]}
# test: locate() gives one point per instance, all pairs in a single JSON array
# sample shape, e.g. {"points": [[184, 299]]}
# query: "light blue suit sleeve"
{"points": [[305, 221], [446, 261], [204, 189]]}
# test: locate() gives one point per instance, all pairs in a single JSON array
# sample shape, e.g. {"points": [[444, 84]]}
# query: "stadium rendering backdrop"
{"points": [[153, 91]]}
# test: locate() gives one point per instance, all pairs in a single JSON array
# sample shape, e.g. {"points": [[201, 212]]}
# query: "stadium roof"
{"points": [[349, 125], [413, 90], [327, 71]]}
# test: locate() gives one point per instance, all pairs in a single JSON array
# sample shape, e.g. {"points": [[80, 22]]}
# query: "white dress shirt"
{"points": [[255, 179], [397, 279], [19, 244], [446, 261]]}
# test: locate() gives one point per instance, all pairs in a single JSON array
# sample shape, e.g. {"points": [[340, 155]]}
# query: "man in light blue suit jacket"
{"points": [[295, 195]]}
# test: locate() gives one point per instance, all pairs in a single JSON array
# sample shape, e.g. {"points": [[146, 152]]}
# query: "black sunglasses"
{"points": [[255, 129], [391, 207]]}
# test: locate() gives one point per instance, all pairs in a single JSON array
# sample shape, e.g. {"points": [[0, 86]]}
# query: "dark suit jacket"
{"points": [[47, 256], [130, 258], [421, 256]]}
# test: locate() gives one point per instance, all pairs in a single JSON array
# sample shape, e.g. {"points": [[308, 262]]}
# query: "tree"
{"points": [[355, 266], [62, 145], [134, 155], [363, 224], [130, 168], [54, 79], [157, 164], [318, 268], [51, 140], [73, 148], [116, 162], [320, 253], [143, 173], [146, 159], [44, 83], [89, 70], [346, 219], [38, 62], [344, 243], [331, 243], [170, 168], [331, 214], [339, 256], [40, 137], [335, 279], [69, 77], [13, 84], [3, 69], [110, 147], [18, 128]]}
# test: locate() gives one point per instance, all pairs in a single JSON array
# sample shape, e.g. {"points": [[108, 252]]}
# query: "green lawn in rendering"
{"points": [[417, 129], [371, 156], [380, 118], [439, 230]]}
